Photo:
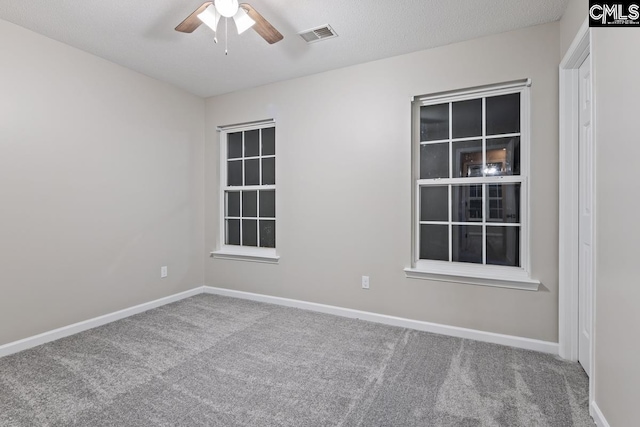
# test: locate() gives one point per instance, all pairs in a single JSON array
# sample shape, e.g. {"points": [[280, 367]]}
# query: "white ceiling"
{"points": [[140, 34]]}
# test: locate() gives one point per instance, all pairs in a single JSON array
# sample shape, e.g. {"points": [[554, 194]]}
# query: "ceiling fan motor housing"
{"points": [[227, 8]]}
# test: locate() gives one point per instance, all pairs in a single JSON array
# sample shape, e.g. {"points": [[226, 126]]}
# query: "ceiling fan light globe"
{"points": [[227, 8], [210, 17], [243, 21]]}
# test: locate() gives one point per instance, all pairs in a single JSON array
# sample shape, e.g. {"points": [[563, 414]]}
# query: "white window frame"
{"points": [[235, 252], [461, 272]]}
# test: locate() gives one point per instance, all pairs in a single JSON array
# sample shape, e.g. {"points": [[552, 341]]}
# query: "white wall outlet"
{"points": [[163, 272], [365, 282]]}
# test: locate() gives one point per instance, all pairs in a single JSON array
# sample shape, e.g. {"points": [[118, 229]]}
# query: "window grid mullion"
{"points": [[243, 167], [449, 141], [258, 218], [449, 224], [450, 199], [241, 215], [470, 138], [260, 157], [484, 186], [484, 224], [418, 211]]}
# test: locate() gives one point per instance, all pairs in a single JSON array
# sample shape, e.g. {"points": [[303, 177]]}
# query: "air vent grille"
{"points": [[319, 33]]}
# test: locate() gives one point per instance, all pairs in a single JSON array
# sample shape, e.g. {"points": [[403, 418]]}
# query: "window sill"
{"points": [[262, 255], [498, 277]]}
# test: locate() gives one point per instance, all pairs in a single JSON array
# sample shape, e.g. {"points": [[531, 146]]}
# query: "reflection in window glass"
{"points": [[504, 203], [503, 156], [503, 246], [466, 203], [467, 243], [467, 158]]}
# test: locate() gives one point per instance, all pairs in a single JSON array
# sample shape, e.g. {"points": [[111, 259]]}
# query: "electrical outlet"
{"points": [[163, 272], [365, 282]]}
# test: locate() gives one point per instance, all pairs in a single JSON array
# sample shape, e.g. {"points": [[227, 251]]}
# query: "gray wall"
{"points": [[344, 185], [573, 17], [617, 315], [101, 183]]}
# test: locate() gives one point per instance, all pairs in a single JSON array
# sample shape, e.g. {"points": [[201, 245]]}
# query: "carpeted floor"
{"points": [[217, 361]]}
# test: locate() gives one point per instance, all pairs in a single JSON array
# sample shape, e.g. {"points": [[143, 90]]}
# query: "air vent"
{"points": [[319, 33]]}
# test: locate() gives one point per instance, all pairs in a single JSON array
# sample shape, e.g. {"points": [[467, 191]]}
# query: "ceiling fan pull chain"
{"points": [[226, 36]]}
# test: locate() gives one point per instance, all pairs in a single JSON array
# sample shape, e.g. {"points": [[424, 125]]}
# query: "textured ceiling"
{"points": [[140, 34]]}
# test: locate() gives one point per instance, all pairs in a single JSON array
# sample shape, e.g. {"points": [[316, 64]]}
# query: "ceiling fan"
{"points": [[244, 16]]}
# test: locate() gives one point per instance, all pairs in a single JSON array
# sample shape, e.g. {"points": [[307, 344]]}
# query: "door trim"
{"points": [[568, 203]]}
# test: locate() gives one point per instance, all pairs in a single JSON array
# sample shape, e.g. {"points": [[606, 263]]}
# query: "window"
{"points": [[471, 188], [248, 192]]}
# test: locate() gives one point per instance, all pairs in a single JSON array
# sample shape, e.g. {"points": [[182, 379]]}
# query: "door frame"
{"points": [[568, 202]]}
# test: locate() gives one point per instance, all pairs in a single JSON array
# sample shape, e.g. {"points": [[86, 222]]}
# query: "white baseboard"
{"points": [[36, 340], [509, 340], [597, 415]]}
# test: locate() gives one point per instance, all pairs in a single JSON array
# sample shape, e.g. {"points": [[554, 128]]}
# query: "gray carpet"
{"points": [[216, 361]]}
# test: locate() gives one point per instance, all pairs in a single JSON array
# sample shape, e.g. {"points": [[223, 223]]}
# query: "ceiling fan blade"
{"points": [[192, 22], [262, 26]]}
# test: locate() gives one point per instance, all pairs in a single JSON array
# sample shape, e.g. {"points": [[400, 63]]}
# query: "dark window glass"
{"points": [[252, 143], [434, 161], [268, 204], [249, 204], [233, 203], [267, 234], [268, 141], [434, 203], [503, 156], [467, 158], [249, 232], [252, 172], [503, 246], [434, 242], [434, 122], [234, 146], [233, 232], [269, 171], [466, 203], [234, 172], [466, 243], [503, 114], [466, 118]]}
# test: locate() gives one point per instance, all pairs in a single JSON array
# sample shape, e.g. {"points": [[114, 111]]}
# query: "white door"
{"points": [[585, 220]]}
